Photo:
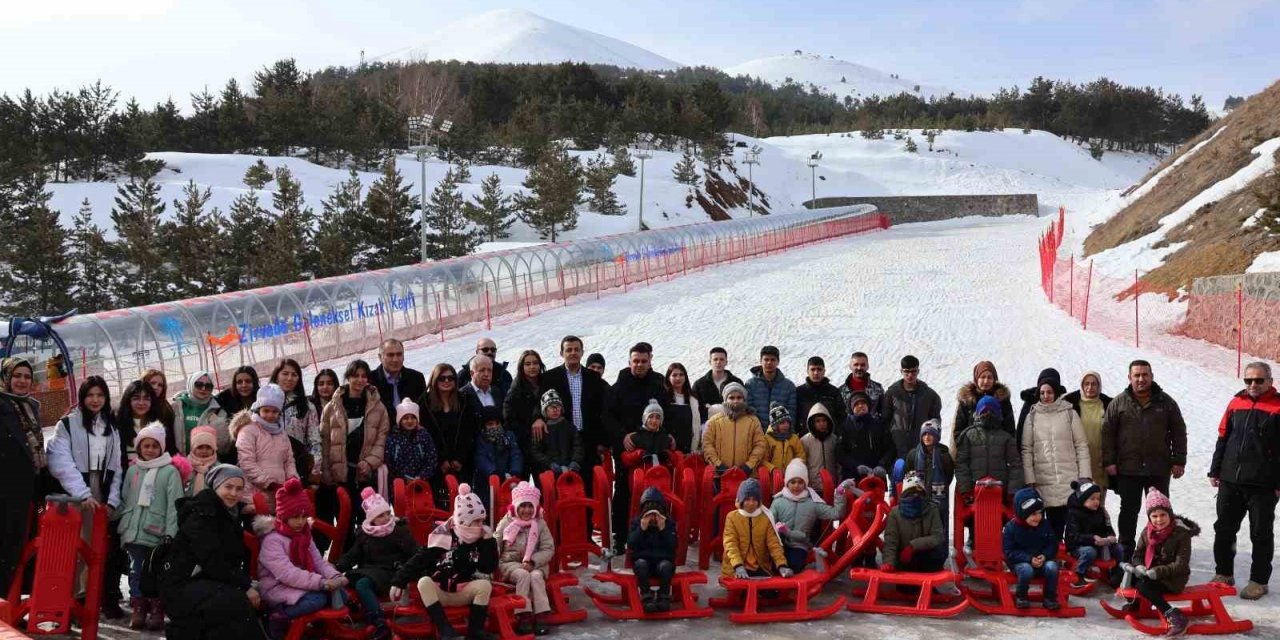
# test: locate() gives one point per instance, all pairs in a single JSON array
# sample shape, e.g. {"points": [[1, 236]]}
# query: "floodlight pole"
{"points": [[813, 181], [751, 160], [643, 153]]}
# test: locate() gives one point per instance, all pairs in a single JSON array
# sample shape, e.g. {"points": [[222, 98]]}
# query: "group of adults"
{"points": [[1132, 443]]}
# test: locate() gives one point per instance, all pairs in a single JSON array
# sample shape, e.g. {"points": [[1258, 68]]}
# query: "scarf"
{"points": [[773, 524], [1155, 538], [496, 435], [809, 494], [734, 412], [513, 531], [201, 464], [153, 466], [273, 428], [934, 478], [442, 536], [299, 545], [912, 506], [778, 435], [379, 530], [23, 407]]}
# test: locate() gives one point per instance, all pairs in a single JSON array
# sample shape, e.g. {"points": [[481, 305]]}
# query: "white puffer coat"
{"points": [[1055, 451]]}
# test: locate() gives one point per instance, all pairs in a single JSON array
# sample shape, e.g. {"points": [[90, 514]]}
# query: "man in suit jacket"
{"points": [[393, 380], [584, 393]]}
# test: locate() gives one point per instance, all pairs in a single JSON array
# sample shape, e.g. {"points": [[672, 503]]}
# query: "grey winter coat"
{"points": [[905, 411], [988, 450], [802, 516]]}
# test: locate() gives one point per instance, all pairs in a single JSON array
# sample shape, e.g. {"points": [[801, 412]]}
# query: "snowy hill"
{"points": [[519, 36], [835, 76], [961, 163]]}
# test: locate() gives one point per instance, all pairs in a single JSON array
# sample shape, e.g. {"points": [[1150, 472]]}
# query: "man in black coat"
{"points": [[817, 388], [583, 392], [635, 387], [502, 378], [393, 380], [707, 388]]}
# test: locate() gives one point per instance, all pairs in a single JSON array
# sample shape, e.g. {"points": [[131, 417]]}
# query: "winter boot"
{"points": [[1020, 600], [1253, 591], [475, 623], [539, 629], [155, 619], [137, 613], [1177, 622], [381, 631], [278, 624], [664, 600], [444, 629], [111, 608], [649, 601], [524, 624], [1230, 581]]}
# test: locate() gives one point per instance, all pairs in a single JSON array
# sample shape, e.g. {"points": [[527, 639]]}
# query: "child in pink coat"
{"points": [[262, 446], [294, 579]]}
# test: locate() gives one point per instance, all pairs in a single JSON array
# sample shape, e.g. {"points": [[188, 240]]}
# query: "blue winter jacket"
{"points": [[760, 394], [1023, 542], [498, 459]]}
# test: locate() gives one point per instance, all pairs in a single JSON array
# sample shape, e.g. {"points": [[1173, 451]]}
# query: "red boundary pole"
{"points": [[306, 333], [439, 316], [1088, 286], [1137, 341], [1071, 288], [1239, 328]]}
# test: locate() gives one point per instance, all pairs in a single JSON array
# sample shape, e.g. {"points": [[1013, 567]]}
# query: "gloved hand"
{"points": [[786, 572], [1138, 570], [863, 471], [396, 594], [720, 469], [782, 528], [745, 469], [849, 488], [556, 469], [740, 572], [879, 471], [1151, 573], [887, 568], [575, 467], [905, 555]]}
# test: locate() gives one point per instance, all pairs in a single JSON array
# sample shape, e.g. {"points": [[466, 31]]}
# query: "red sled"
{"points": [[926, 603], [797, 590], [988, 565], [329, 623], [57, 551], [502, 616], [1203, 600], [416, 505], [500, 497], [857, 535], [714, 508], [626, 605]]}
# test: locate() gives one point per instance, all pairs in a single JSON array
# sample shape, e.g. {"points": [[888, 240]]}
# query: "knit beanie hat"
{"points": [[491, 414], [653, 500], [859, 397], [931, 426], [777, 414], [733, 387], [750, 488], [407, 407], [912, 482], [651, 409], [292, 500], [1085, 489], [1049, 376], [1156, 500], [213, 478], [468, 507], [551, 398], [988, 403], [203, 435], [1026, 502], [372, 502], [796, 469], [526, 493], [595, 358], [981, 367], [270, 395], [154, 431]]}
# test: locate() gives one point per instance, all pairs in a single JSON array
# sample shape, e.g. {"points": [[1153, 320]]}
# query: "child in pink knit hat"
{"points": [[295, 579], [525, 549], [382, 544], [1162, 559]]}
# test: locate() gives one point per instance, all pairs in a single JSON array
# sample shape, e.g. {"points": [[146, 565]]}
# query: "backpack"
{"points": [[155, 565]]}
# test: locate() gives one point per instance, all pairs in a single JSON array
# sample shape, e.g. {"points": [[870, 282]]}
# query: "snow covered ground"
{"points": [[952, 293], [832, 75]]}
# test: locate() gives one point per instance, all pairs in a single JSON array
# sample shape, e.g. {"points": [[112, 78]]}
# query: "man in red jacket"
{"points": [[1246, 471]]}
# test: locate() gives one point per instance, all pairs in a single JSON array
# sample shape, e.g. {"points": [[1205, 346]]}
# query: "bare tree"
{"points": [[424, 89]]}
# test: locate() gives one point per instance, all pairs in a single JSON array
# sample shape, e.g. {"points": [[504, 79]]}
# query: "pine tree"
{"points": [[491, 211], [192, 241], [686, 171], [94, 273], [137, 217], [449, 233], [389, 225], [622, 162], [554, 182], [243, 251], [598, 180], [338, 236], [911, 146], [290, 233], [258, 175], [35, 278], [462, 172], [930, 135]]}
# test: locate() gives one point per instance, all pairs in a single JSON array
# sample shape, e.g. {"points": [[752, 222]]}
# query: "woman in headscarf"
{"points": [[194, 407], [22, 449], [1091, 404], [206, 588]]}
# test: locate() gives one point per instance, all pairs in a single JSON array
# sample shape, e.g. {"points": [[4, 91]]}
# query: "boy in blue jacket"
{"points": [[497, 452], [1030, 549]]}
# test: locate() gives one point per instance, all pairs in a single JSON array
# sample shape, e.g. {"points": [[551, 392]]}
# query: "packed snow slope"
{"points": [[831, 75], [520, 36], [962, 163], [951, 293]]}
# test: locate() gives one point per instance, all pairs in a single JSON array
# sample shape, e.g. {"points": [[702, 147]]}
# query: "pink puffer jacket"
{"points": [[267, 460], [279, 581]]}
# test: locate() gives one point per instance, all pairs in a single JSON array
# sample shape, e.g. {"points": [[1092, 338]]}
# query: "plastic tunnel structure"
{"points": [[319, 320]]}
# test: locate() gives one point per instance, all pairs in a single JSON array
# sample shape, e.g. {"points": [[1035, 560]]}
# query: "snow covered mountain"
{"points": [[519, 36], [832, 75]]}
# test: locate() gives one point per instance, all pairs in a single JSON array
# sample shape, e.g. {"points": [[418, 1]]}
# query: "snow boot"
{"points": [[475, 623], [155, 618], [524, 624], [538, 628], [137, 613], [278, 624], [1177, 622], [1230, 581], [1020, 600], [444, 629], [1253, 591], [664, 600], [649, 601]]}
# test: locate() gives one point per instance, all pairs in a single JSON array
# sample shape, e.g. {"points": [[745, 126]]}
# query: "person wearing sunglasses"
{"points": [[197, 406], [502, 379], [908, 404], [1246, 471]]}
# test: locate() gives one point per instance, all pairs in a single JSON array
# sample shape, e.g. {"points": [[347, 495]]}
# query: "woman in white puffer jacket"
{"points": [[1055, 452]]}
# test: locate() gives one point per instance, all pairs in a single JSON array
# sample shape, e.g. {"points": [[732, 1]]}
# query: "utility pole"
{"points": [[643, 149], [751, 159], [424, 125]]}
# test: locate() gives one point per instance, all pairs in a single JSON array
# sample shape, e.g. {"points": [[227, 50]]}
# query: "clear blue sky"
{"points": [[154, 49]]}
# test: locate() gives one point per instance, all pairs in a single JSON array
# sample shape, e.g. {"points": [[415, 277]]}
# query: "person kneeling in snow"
{"points": [[652, 544], [797, 509], [752, 548]]}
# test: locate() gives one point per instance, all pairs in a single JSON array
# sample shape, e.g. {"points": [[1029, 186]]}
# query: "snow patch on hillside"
{"points": [[831, 75]]}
